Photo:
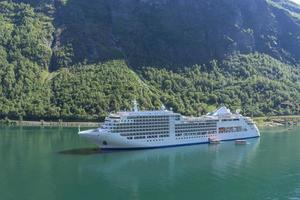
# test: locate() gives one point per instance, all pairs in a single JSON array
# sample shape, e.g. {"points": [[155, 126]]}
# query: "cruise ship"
{"points": [[165, 128]]}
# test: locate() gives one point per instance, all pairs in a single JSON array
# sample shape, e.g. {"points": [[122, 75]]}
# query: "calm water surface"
{"points": [[54, 163]]}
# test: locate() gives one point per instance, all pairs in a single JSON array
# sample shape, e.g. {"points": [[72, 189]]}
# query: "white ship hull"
{"points": [[116, 142], [163, 128]]}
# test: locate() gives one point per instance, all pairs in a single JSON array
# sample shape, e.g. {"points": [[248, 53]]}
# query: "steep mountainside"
{"points": [[172, 33], [74, 59]]}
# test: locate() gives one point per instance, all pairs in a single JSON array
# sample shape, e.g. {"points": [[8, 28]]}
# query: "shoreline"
{"points": [[50, 123], [271, 121], [275, 121]]}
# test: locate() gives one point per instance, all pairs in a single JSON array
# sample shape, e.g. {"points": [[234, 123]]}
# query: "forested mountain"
{"points": [[78, 60]]}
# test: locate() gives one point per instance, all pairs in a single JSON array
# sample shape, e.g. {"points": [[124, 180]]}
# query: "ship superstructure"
{"points": [[162, 128]]}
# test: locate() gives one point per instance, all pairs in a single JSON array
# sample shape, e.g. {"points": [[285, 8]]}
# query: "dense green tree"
{"points": [[255, 83], [45, 73]]}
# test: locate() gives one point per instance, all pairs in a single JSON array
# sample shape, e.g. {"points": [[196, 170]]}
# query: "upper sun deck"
{"points": [[137, 113], [210, 118], [142, 113], [221, 113]]}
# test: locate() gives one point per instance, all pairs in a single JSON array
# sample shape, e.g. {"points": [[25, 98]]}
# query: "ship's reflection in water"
{"points": [[169, 166], [81, 151]]}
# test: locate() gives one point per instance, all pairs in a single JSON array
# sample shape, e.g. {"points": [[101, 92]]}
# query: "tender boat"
{"points": [[214, 140]]}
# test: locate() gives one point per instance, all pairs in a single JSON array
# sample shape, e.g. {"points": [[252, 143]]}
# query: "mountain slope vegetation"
{"points": [[79, 60]]}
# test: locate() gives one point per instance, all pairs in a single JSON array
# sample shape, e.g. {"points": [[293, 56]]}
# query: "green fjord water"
{"points": [[54, 163]]}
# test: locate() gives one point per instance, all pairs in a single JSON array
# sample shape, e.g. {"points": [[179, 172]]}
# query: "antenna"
{"points": [[135, 106]]}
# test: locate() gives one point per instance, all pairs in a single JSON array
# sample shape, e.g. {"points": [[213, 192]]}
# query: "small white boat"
{"points": [[214, 140]]}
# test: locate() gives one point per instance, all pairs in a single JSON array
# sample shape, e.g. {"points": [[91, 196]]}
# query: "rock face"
{"points": [[186, 32], [172, 33]]}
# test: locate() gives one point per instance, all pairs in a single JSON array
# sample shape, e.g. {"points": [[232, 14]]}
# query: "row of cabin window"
{"points": [[191, 137], [198, 133], [130, 138], [201, 121], [140, 125], [137, 137], [151, 118], [185, 127], [150, 121], [166, 135], [195, 129], [159, 127], [156, 136], [155, 140], [197, 124], [140, 130], [148, 116], [228, 120], [152, 136], [147, 133], [143, 123], [231, 129], [143, 137], [138, 122]]}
